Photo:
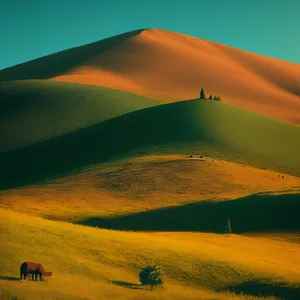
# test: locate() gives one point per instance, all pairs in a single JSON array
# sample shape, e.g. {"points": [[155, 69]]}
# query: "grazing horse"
{"points": [[34, 269]]}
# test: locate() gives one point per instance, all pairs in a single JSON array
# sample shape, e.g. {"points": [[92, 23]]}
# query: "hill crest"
{"points": [[171, 66]]}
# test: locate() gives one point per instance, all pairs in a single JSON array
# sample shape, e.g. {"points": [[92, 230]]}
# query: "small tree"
{"points": [[210, 96], [228, 227], [217, 98], [202, 94], [151, 275]]}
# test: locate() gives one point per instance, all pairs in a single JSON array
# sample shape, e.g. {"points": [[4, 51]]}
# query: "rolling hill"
{"points": [[107, 262], [96, 178], [256, 213], [35, 110], [211, 127], [170, 66], [147, 183]]}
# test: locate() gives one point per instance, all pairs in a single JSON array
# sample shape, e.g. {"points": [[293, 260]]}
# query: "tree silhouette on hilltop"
{"points": [[202, 94]]}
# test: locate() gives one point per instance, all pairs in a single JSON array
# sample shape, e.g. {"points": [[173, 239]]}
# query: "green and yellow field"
{"points": [[89, 263], [261, 262], [213, 128]]}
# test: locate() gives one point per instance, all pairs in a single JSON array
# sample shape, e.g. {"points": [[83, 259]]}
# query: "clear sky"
{"points": [[34, 28]]}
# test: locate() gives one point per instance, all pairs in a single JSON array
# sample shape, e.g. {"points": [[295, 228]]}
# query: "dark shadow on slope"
{"points": [[137, 133], [128, 285], [9, 278], [257, 288], [256, 213], [61, 62], [112, 139]]}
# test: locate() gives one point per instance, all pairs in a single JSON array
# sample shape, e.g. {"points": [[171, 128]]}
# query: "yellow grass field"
{"points": [[129, 186], [89, 263], [93, 263]]}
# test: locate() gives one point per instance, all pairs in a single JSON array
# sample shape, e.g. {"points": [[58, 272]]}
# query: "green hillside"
{"points": [[209, 127], [35, 110]]}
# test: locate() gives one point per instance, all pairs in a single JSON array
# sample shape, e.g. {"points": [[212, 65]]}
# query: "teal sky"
{"points": [[34, 28]]}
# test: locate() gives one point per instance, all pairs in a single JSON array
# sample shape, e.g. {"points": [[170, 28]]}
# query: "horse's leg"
{"points": [[32, 276], [41, 276], [25, 275]]}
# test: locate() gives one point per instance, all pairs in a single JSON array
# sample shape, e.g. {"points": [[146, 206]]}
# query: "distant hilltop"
{"points": [[169, 67]]}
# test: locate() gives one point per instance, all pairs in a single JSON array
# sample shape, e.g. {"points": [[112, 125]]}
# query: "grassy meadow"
{"points": [[159, 224], [129, 186], [89, 263]]}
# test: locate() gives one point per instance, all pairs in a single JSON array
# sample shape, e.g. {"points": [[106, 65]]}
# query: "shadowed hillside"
{"points": [[34, 110], [170, 66], [212, 126], [264, 288], [256, 213], [59, 63]]}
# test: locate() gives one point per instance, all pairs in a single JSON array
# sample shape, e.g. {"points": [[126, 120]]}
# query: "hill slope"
{"points": [[169, 66], [34, 110], [195, 266], [141, 184], [178, 128], [255, 213]]}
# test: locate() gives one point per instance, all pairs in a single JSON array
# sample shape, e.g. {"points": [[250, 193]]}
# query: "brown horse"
{"points": [[34, 269]]}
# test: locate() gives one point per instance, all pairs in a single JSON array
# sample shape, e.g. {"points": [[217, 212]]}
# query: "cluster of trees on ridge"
{"points": [[202, 96]]}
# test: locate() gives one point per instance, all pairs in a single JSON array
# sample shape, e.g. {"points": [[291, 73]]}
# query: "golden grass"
{"points": [[130, 186], [89, 263]]}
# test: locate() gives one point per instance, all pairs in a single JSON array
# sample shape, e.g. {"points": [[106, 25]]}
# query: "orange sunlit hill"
{"points": [[169, 66]]}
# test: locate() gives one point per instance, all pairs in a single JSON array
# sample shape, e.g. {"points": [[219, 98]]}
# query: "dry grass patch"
{"points": [[89, 263], [143, 183]]}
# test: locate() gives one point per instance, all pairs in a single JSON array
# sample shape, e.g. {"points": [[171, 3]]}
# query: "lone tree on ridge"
{"points": [[202, 94], [151, 275], [210, 96]]}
